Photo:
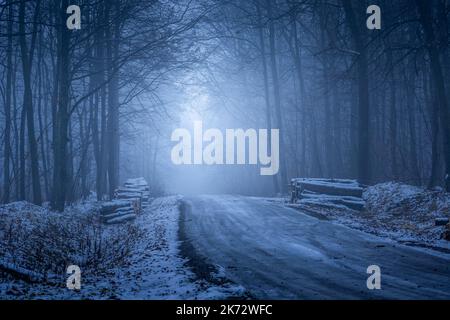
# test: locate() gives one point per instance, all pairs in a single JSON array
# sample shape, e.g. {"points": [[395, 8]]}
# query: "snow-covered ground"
{"points": [[276, 252], [396, 211], [142, 259], [150, 266], [408, 213]]}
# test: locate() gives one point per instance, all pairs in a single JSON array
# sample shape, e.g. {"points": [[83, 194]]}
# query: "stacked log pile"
{"points": [[327, 193], [134, 187], [128, 202]]}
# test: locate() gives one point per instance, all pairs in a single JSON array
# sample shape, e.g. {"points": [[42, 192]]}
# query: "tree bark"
{"points": [[277, 97], [363, 94], [393, 119], [113, 103], [8, 93], [426, 18], [27, 58], [266, 85], [62, 115]]}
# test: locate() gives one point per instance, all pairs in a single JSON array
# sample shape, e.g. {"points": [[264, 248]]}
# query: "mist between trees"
{"points": [[81, 110]]}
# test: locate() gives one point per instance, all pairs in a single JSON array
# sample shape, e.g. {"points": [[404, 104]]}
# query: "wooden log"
{"points": [[111, 206], [125, 209], [354, 205], [128, 201], [117, 214], [127, 196], [129, 190], [350, 202], [122, 219], [112, 210], [136, 182], [330, 187], [21, 273]]}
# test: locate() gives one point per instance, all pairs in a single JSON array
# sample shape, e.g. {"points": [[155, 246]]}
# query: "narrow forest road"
{"points": [[279, 253]]}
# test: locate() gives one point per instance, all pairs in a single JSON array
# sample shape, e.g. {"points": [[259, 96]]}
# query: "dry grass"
{"points": [[45, 242]]}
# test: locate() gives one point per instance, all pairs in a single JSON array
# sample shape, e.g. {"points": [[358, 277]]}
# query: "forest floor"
{"points": [[396, 211], [135, 261], [276, 252], [146, 259]]}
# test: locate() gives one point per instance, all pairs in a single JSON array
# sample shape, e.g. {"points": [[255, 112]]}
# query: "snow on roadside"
{"points": [[154, 269], [158, 270], [408, 213], [396, 211]]}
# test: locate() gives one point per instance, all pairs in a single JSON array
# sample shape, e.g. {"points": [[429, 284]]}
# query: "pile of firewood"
{"points": [[129, 200], [327, 193]]}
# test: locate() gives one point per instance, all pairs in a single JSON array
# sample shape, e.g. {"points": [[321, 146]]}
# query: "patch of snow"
{"points": [[158, 270], [395, 211], [154, 269]]}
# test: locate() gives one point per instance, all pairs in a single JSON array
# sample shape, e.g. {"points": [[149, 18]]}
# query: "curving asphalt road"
{"points": [[279, 253]]}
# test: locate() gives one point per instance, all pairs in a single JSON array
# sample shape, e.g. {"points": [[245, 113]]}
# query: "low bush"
{"points": [[44, 242]]}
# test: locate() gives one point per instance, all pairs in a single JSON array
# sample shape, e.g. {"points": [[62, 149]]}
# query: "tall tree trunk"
{"points": [[266, 85], [97, 77], [297, 56], [299, 88], [8, 93], [27, 58], [113, 102], [42, 128], [62, 115], [411, 107], [337, 132], [70, 181], [426, 18], [363, 94], [330, 157], [16, 130], [433, 110], [84, 146], [22, 155], [393, 119], [277, 97]]}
